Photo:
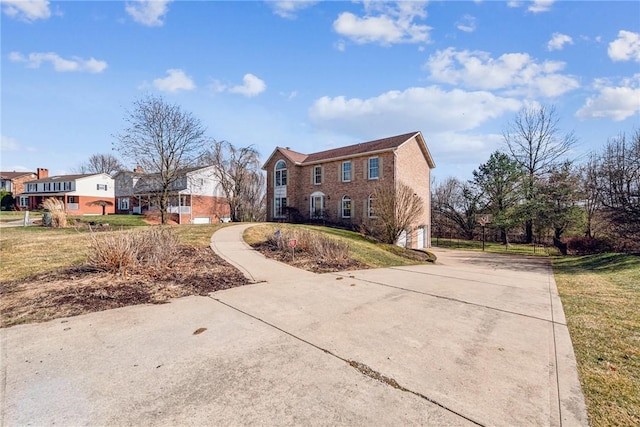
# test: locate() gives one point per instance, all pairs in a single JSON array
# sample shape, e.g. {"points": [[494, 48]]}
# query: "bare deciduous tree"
{"points": [[101, 163], [619, 183], [591, 193], [162, 139], [535, 142], [456, 203], [396, 208], [239, 174]]}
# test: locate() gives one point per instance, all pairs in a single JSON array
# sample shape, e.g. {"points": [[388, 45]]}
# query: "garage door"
{"points": [[420, 237], [202, 220]]}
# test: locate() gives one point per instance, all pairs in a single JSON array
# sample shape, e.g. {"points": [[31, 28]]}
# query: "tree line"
{"points": [[533, 191]]}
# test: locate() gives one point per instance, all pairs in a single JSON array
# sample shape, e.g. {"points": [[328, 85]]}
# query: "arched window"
{"points": [[346, 207], [280, 173], [280, 194]]}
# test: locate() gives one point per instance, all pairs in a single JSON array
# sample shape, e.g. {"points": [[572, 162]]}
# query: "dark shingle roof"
{"points": [[357, 149]]}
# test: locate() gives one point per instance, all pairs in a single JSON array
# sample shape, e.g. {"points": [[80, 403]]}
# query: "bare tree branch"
{"points": [[396, 208], [162, 139], [238, 171]]}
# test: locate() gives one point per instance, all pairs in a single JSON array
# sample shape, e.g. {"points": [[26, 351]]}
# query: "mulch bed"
{"points": [[78, 290], [307, 261]]}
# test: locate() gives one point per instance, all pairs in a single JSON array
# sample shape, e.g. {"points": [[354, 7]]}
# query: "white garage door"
{"points": [[420, 238], [202, 220]]}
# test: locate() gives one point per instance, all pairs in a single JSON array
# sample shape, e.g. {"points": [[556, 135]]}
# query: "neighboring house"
{"points": [[195, 197], [13, 182], [77, 192], [337, 185]]}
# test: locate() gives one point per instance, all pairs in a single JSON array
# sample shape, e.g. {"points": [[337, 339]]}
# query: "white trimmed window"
{"points": [[280, 175], [346, 207], [123, 203], [317, 175], [280, 203], [374, 172], [24, 201], [346, 171]]}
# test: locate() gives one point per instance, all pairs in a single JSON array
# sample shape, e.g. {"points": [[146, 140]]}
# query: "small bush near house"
{"points": [[123, 252], [580, 245]]}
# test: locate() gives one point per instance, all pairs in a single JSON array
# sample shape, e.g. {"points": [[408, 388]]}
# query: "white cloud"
{"points": [[558, 40], [8, 144], [412, 109], [175, 81], [26, 10], [615, 102], [514, 3], [35, 59], [148, 12], [289, 8], [626, 47], [540, 6], [515, 73], [250, 87], [385, 23], [467, 24]]}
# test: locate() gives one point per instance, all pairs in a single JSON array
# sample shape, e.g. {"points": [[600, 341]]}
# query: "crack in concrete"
{"points": [[360, 367]]}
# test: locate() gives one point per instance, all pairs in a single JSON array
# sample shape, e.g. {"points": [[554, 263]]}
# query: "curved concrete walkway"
{"points": [[473, 340]]}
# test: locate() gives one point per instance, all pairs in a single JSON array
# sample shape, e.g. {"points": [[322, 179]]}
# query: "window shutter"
{"points": [[365, 169], [380, 169]]}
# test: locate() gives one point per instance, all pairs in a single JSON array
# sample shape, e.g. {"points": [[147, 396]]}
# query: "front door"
{"points": [[317, 206]]}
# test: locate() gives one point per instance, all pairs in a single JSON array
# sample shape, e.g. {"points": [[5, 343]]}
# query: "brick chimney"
{"points": [[138, 169], [43, 173]]}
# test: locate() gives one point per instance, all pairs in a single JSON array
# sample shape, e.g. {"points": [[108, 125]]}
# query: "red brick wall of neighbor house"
{"points": [[17, 184], [417, 175], [17, 187], [84, 209], [206, 206]]}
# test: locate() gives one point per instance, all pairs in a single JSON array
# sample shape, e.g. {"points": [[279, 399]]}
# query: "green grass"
{"points": [[601, 299], [112, 220], [374, 255], [493, 247]]}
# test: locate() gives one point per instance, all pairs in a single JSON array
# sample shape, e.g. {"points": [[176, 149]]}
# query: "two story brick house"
{"points": [[337, 185]]}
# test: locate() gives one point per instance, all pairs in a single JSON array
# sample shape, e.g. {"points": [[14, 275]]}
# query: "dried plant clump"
{"points": [[320, 247], [122, 252], [56, 209]]}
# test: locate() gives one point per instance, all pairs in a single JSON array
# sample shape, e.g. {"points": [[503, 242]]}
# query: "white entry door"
{"points": [[317, 205]]}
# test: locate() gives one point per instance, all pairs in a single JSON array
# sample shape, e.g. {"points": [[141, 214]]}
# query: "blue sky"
{"points": [[315, 75]]}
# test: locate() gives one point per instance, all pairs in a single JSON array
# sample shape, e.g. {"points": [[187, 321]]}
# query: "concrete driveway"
{"points": [[473, 340]]}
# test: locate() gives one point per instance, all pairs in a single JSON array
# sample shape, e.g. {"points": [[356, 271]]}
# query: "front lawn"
{"points": [[601, 299]]}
